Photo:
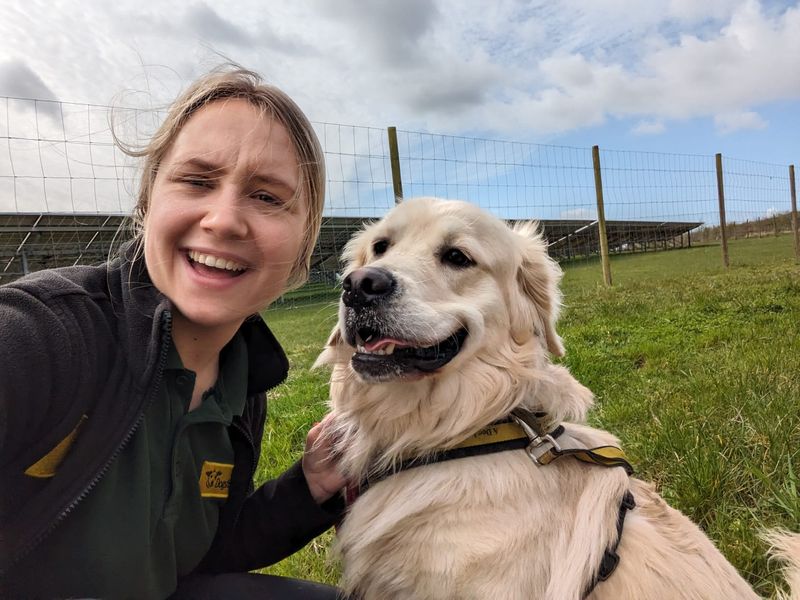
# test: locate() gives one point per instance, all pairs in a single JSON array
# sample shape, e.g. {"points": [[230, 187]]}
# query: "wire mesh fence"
{"points": [[757, 200], [65, 187]]}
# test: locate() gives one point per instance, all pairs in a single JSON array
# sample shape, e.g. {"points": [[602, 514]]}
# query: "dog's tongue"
{"points": [[373, 345]]}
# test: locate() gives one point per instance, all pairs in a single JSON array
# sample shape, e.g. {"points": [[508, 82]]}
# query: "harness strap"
{"points": [[498, 437], [610, 557], [539, 436], [544, 449], [604, 456]]}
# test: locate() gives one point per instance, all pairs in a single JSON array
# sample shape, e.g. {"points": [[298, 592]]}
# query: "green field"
{"points": [[695, 368]]}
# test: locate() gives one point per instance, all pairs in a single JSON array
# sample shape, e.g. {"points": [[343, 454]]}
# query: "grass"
{"points": [[696, 369]]}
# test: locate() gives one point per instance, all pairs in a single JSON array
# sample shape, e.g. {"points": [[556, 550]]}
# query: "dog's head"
{"points": [[434, 283]]}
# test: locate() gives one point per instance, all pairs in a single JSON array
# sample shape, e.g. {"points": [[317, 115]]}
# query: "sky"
{"points": [[671, 76]]}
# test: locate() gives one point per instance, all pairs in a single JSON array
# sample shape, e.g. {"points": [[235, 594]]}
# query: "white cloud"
{"points": [[649, 128], [730, 122], [692, 11], [501, 68]]}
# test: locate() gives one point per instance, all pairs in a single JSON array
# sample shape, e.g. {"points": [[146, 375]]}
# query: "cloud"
{"points": [[730, 122], [17, 79], [503, 68], [452, 90], [392, 31], [558, 68], [207, 24], [691, 11], [649, 128]]}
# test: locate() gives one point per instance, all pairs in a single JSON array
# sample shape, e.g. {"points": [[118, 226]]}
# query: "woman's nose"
{"points": [[225, 215]]}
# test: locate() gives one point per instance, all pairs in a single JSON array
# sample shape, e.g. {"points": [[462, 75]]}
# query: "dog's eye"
{"points": [[457, 258], [380, 246]]}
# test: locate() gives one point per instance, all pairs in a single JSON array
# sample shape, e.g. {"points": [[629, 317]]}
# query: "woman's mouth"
{"points": [[214, 266]]}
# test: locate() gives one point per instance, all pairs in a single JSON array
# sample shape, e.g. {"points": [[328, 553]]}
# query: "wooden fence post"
{"points": [[394, 159], [795, 229], [601, 216], [721, 193]]}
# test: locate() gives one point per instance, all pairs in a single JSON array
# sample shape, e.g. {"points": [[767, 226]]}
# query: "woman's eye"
{"points": [[380, 246], [456, 258], [201, 182], [268, 198]]}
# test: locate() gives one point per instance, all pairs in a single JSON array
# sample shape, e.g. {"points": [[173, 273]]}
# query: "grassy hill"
{"points": [[695, 368]]}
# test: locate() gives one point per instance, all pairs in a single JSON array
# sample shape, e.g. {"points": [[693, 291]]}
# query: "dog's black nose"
{"points": [[366, 285]]}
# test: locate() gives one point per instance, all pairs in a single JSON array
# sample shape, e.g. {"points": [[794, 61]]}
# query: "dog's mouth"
{"points": [[381, 357]]}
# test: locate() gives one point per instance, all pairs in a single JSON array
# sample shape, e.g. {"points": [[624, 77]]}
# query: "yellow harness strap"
{"points": [[603, 456], [497, 432], [544, 447]]}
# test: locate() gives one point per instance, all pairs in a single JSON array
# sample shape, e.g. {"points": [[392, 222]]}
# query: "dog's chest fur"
{"points": [[482, 527]]}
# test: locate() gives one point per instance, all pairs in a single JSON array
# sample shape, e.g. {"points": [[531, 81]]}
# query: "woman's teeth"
{"points": [[215, 261]]}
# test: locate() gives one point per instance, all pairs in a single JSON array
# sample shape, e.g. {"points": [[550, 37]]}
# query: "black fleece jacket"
{"points": [[92, 341]]}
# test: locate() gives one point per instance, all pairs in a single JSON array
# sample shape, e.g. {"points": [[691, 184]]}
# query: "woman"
{"points": [[133, 393]]}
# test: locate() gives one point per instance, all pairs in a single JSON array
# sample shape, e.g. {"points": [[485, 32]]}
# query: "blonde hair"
{"points": [[231, 81]]}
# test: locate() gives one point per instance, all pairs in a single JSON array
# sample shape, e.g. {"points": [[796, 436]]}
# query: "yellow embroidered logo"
{"points": [[215, 479], [47, 465], [500, 432]]}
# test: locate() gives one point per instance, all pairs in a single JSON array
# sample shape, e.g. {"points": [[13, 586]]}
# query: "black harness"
{"points": [[525, 430], [489, 446]]}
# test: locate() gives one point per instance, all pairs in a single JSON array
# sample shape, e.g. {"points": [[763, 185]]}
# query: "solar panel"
{"points": [[30, 242]]}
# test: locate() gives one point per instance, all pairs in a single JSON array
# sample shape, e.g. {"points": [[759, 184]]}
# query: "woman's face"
{"points": [[222, 232]]}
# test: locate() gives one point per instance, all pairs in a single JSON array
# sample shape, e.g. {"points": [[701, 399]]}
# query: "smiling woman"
{"points": [[224, 226], [134, 393]]}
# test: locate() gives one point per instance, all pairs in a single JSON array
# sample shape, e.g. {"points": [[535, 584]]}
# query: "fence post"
{"points": [[721, 193], [601, 216], [394, 156], [795, 230]]}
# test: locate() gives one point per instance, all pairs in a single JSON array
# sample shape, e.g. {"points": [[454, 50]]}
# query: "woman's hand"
{"points": [[320, 465]]}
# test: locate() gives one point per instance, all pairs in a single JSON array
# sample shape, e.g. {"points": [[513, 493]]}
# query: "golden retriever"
{"points": [[446, 325]]}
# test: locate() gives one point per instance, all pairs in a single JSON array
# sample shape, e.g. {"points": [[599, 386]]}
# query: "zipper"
{"points": [[248, 436], [252, 466], [166, 330], [275, 346]]}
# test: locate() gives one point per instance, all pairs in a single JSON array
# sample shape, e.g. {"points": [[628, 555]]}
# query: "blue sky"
{"points": [[775, 141], [672, 76]]}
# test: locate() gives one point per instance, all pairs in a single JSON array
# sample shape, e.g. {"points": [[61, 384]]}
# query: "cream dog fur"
{"points": [[483, 299]]}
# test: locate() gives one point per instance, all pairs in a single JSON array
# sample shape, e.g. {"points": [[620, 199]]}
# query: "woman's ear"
{"points": [[538, 277]]}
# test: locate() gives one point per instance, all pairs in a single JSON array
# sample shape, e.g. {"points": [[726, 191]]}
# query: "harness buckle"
{"points": [[542, 448], [541, 444]]}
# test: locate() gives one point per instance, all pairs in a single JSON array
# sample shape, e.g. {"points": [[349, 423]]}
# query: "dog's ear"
{"points": [[538, 277], [355, 251], [328, 356]]}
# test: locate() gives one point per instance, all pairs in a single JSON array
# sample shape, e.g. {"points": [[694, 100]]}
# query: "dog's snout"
{"points": [[367, 285]]}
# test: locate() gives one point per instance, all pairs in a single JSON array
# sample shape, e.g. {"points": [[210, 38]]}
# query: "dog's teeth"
{"points": [[383, 351]]}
